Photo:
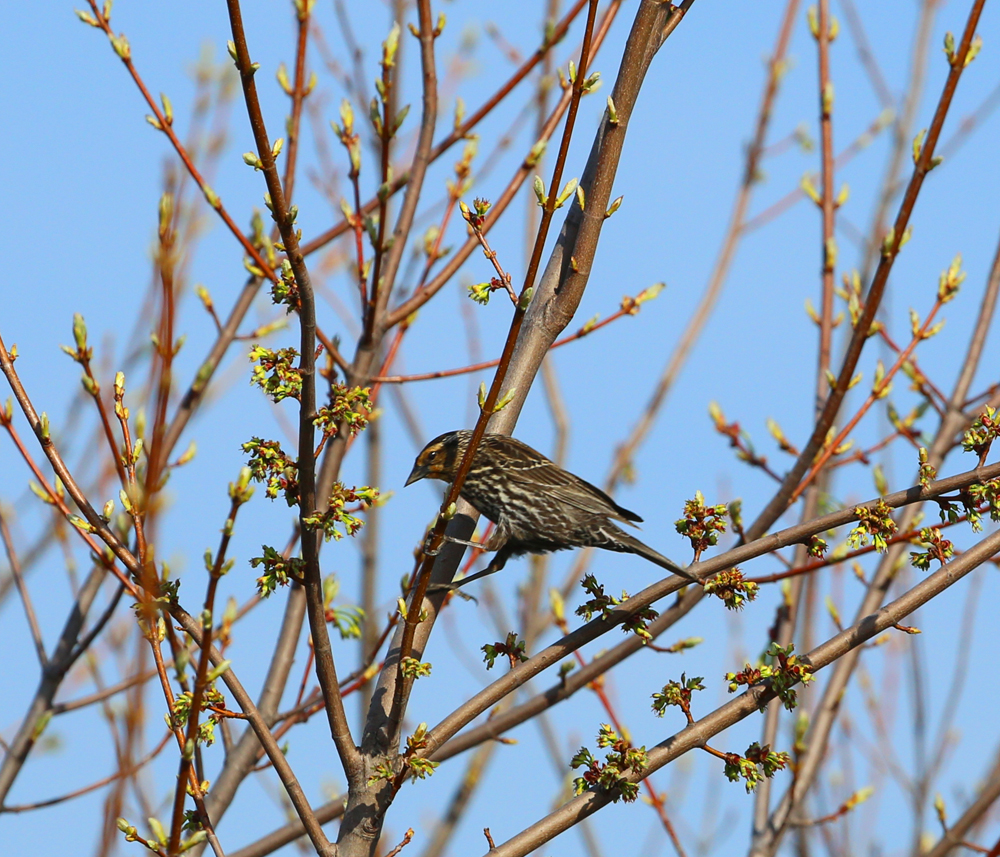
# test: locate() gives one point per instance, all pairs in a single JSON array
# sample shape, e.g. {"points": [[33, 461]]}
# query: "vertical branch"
{"points": [[300, 89], [553, 397], [366, 807], [369, 558], [427, 33], [132, 497], [790, 610], [166, 258], [827, 198], [552, 305], [239, 493], [488, 407], [533, 618], [29, 610], [386, 136], [954, 420], [562, 285], [308, 501], [240, 759], [370, 343]]}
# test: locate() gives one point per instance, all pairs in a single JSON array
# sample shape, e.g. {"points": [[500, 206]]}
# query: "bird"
{"points": [[537, 506]]}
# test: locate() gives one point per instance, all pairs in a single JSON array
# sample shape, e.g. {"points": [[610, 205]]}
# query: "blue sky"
{"points": [[82, 179]]}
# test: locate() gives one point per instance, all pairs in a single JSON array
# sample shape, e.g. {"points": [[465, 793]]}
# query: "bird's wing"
{"points": [[564, 487]]}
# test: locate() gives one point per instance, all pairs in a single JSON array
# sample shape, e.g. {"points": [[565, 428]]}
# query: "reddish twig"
{"points": [[630, 306], [462, 131]]}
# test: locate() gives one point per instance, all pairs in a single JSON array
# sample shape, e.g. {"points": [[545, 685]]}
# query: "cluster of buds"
{"points": [[757, 762], [615, 774]]}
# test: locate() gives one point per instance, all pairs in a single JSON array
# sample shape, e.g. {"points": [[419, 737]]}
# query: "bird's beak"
{"points": [[419, 472]]}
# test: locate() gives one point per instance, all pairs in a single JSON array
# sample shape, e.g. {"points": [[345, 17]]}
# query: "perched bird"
{"points": [[536, 505]]}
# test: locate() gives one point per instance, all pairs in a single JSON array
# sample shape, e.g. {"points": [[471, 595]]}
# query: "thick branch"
{"points": [[551, 655], [749, 702]]}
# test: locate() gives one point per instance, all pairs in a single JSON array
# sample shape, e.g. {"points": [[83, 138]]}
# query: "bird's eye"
{"points": [[431, 454]]}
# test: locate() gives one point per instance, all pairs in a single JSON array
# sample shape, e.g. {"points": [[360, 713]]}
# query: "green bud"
{"points": [[218, 671], [539, 187], [80, 332], [168, 109]]}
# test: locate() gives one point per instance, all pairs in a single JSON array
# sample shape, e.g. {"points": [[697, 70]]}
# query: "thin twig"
{"points": [[29, 610]]}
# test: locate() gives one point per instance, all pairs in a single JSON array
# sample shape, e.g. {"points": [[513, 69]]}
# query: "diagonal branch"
{"points": [[554, 300], [752, 700], [552, 654]]}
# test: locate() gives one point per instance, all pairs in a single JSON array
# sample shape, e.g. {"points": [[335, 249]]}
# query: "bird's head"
{"points": [[440, 458]]}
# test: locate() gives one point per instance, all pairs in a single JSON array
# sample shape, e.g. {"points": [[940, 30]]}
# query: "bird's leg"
{"points": [[498, 562], [494, 542], [446, 538], [466, 542], [452, 587]]}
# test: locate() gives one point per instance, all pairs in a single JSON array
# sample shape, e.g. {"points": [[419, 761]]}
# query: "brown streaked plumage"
{"points": [[536, 505]]}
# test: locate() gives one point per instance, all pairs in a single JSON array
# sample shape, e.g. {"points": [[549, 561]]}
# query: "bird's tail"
{"points": [[633, 545]]}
